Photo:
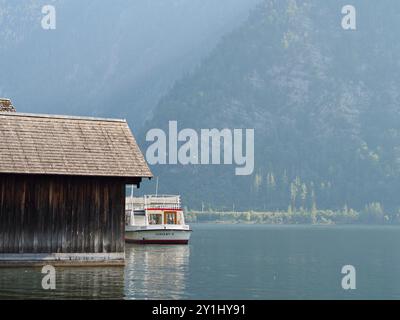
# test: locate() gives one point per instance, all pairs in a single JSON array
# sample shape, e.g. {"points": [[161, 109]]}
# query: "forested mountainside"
{"points": [[106, 58], [324, 103]]}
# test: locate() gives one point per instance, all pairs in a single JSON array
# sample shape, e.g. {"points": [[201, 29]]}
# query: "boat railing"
{"points": [[154, 202]]}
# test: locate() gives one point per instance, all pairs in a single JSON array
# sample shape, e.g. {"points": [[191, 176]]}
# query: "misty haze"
{"points": [[271, 127]]}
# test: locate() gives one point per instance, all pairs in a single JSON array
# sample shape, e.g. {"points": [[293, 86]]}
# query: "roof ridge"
{"points": [[54, 116]]}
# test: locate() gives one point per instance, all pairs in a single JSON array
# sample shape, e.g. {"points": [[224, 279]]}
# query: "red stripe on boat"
{"points": [[157, 241], [165, 209]]}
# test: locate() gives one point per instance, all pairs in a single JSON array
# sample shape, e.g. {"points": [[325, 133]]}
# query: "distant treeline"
{"points": [[372, 214]]}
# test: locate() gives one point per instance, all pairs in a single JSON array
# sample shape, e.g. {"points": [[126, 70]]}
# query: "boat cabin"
{"points": [[154, 210]]}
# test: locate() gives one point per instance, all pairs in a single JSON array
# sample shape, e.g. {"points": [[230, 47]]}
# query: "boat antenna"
{"points": [[157, 187]]}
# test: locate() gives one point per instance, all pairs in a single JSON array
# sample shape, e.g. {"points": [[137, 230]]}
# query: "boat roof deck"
{"points": [[154, 201]]}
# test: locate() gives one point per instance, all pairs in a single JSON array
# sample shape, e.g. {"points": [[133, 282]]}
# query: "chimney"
{"points": [[6, 105]]}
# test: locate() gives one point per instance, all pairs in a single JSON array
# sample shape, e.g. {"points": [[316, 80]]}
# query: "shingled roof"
{"points": [[61, 145]]}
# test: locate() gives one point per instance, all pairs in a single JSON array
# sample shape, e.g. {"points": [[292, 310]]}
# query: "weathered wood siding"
{"points": [[61, 214]]}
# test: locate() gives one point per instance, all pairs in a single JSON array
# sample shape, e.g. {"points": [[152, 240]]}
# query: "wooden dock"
{"points": [[62, 259]]}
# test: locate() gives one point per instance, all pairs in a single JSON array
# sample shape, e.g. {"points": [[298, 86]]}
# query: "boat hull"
{"points": [[161, 236]]}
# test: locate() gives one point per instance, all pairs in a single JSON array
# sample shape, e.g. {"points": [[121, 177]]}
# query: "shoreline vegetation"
{"points": [[372, 214]]}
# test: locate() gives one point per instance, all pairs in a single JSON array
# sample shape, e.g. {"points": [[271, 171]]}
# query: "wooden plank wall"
{"points": [[61, 214]]}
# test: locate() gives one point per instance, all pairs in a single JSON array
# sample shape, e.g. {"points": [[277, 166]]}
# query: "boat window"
{"points": [[170, 218], [155, 218], [178, 218]]}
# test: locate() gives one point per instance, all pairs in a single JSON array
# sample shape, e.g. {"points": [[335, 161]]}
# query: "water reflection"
{"points": [[71, 283], [235, 262], [151, 272], [156, 272]]}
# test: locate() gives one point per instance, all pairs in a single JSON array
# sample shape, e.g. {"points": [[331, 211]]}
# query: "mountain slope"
{"points": [[324, 103]]}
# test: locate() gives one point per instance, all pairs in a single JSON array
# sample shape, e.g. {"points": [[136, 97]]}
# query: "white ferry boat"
{"points": [[156, 219]]}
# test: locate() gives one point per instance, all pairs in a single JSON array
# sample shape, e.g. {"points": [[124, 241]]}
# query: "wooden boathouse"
{"points": [[62, 188]]}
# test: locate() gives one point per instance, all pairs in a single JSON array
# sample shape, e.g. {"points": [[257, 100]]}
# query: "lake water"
{"points": [[236, 262]]}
